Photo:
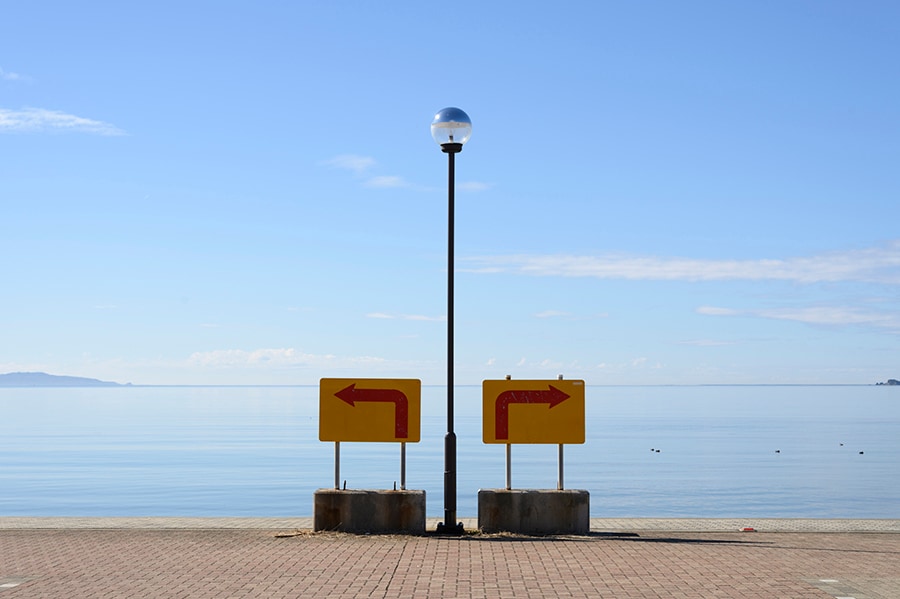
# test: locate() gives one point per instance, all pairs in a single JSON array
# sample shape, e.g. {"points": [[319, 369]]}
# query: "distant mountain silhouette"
{"points": [[42, 379]]}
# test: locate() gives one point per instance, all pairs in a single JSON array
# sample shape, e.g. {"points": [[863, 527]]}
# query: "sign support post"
{"points": [[508, 466], [337, 464], [403, 466], [559, 482]]}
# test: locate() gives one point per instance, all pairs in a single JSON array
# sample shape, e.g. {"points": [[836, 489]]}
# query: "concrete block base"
{"points": [[534, 511], [377, 512]]}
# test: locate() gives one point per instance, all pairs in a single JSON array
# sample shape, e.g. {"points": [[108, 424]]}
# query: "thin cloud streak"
{"points": [[227, 362], [419, 317], [361, 167], [816, 315], [10, 76], [387, 182], [40, 120], [351, 162], [872, 265], [706, 343], [275, 357], [473, 186], [227, 358], [551, 314]]}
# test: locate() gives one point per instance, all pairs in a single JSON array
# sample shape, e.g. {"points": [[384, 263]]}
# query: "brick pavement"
{"points": [[597, 524], [265, 562]]}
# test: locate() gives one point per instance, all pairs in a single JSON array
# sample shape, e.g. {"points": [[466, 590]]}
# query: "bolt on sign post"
{"points": [[533, 411], [370, 410]]}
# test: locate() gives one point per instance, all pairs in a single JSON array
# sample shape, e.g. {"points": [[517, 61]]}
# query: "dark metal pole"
{"points": [[450, 439], [450, 525]]}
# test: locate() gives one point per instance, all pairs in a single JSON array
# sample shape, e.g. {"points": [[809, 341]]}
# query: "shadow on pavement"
{"points": [[613, 536]]}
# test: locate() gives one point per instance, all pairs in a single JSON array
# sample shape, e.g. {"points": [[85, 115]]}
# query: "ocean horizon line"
{"points": [[436, 385]]}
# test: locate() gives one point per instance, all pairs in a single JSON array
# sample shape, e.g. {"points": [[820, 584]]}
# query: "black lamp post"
{"points": [[451, 128]]}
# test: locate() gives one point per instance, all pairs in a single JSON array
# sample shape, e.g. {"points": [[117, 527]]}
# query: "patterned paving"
{"points": [[202, 558], [471, 524]]}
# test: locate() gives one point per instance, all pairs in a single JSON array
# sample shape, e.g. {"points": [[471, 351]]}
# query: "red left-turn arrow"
{"points": [[351, 395]]}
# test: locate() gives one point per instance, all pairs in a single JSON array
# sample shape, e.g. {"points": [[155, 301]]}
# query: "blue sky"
{"points": [[248, 192]]}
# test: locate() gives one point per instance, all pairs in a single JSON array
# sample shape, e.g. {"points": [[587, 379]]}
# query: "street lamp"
{"points": [[451, 128]]}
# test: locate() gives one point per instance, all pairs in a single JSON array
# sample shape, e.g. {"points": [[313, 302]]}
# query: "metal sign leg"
{"points": [[559, 482], [508, 466], [402, 466], [337, 464]]}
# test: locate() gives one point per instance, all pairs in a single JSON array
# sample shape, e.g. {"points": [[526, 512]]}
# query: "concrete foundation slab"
{"points": [[534, 511], [368, 511]]}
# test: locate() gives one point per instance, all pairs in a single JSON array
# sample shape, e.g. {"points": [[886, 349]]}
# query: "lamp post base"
{"points": [[443, 529], [450, 526]]}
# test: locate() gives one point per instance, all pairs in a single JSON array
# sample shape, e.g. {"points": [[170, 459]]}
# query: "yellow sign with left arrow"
{"points": [[376, 410]]}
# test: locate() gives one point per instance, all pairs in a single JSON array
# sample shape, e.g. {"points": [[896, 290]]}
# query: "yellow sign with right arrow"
{"points": [[533, 411]]}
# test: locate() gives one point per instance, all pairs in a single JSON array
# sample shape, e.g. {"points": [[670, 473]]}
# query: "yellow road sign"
{"points": [[533, 411], [370, 410]]}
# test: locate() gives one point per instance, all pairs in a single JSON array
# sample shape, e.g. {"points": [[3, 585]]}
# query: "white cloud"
{"points": [[834, 315], [706, 343], [10, 76], [387, 181], [551, 314], [227, 358], [817, 315], [351, 162], [40, 120], [473, 186], [232, 358], [279, 357], [714, 311], [418, 317], [641, 364], [875, 265], [361, 165]]}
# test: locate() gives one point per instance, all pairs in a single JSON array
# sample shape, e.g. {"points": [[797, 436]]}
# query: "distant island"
{"points": [[890, 382], [42, 379]]}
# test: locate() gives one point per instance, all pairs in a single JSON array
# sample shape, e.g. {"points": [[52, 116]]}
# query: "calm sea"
{"points": [[705, 451]]}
